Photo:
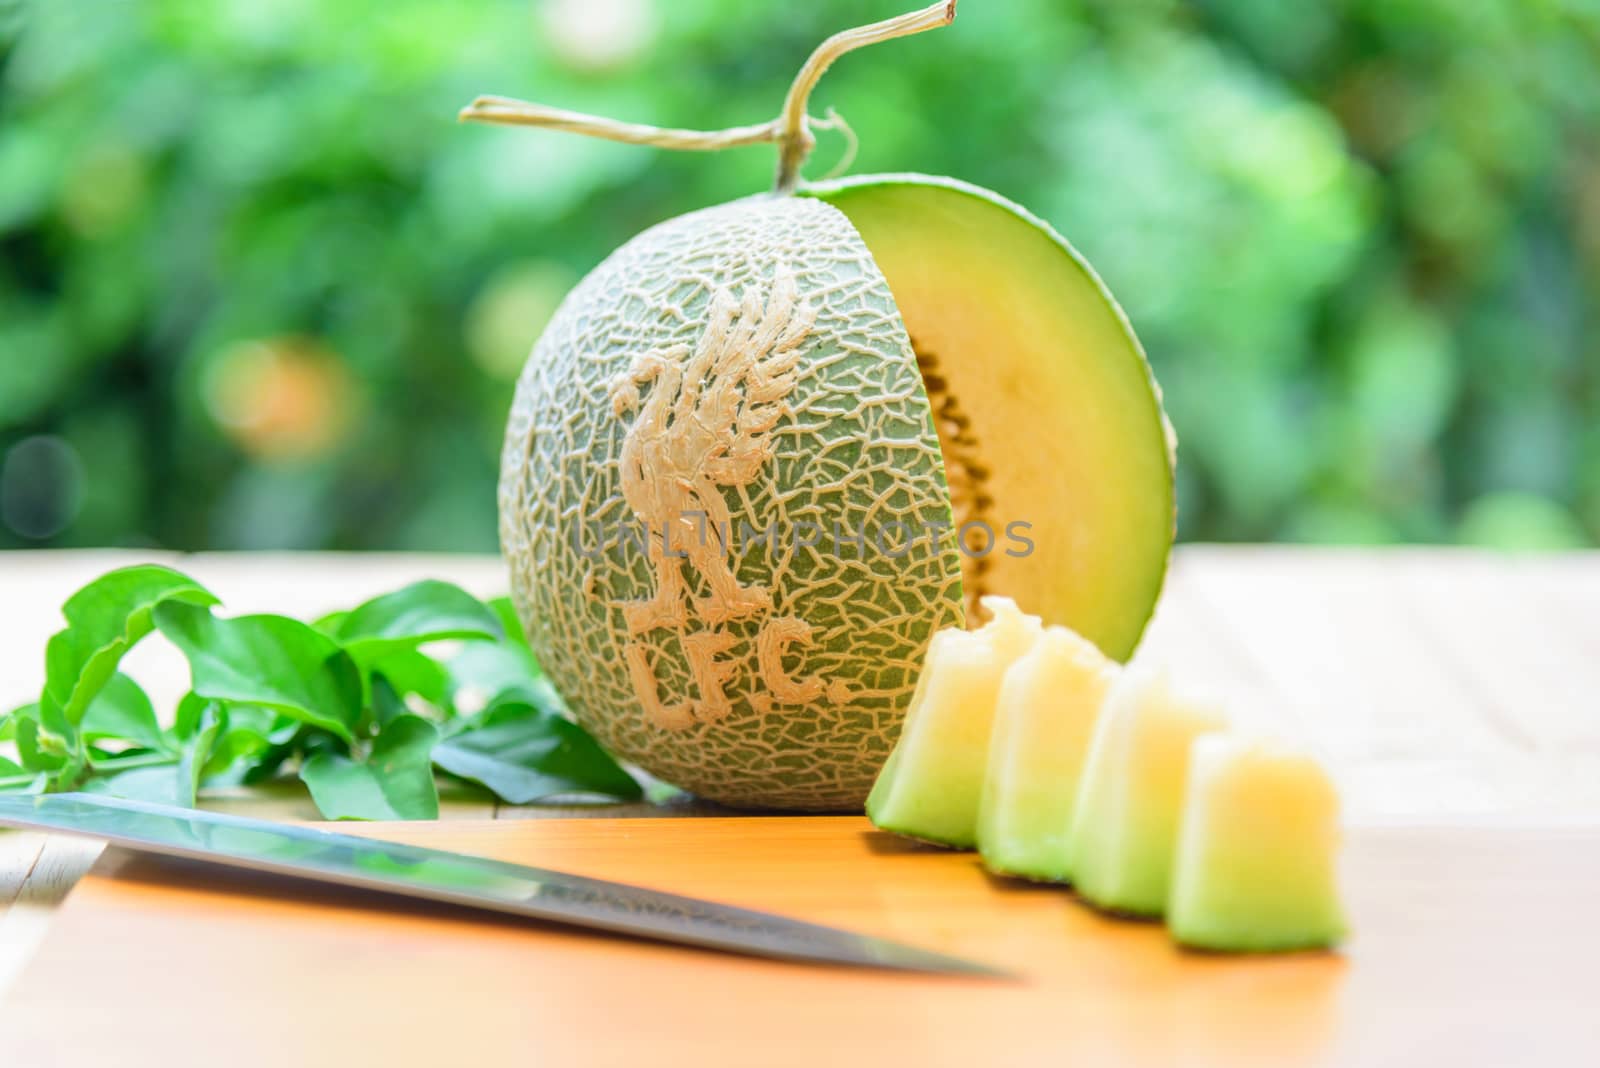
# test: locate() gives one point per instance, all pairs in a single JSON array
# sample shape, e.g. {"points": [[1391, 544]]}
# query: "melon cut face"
{"points": [[728, 465], [1044, 720], [1256, 859], [1045, 406], [1125, 828], [931, 786]]}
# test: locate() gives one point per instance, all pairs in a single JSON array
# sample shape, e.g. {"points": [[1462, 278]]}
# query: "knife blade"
{"points": [[463, 879]]}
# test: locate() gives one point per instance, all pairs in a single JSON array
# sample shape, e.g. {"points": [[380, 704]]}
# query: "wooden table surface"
{"points": [[1445, 687], [1471, 947]]}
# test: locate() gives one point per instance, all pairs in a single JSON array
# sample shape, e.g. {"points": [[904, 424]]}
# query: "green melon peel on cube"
{"points": [[1048, 704], [933, 781], [1125, 828], [1256, 863]]}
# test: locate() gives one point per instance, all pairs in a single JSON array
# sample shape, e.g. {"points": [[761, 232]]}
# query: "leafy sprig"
{"points": [[357, 704]]}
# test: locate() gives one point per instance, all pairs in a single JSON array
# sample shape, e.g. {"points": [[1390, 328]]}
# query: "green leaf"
{"points": [[409, 671], [187, 718], [524, 753], [269, 762], [9, 769], [270, 661], [158, 786], [8, 725], [106, 763], [536, 692], [247, 733], [27, 783], [394, 783], [197, 753], [300, 742], [122, 711], [236, 752], [54, 761], [387, 704], [481, 671], [660, 793], [506, 612], [421, 612], [173, 782], [37, 748], [104, 620], [329, 624]]}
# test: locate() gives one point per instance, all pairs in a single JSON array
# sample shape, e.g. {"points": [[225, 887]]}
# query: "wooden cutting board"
{"points": [[1473, 946]]}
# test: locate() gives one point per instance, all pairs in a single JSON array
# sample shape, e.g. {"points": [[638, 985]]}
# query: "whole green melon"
{"points": [[763, 451]]}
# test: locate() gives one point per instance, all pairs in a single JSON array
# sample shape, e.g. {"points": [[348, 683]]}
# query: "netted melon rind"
{"points": [[855, 446]]}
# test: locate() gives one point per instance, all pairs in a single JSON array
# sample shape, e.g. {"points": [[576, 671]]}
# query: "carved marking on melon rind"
{"points": [[710, 674], [775, 638], [668, 717], [703, 421], [706, 424]]}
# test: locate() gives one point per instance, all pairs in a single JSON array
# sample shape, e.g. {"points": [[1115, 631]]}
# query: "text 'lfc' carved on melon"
{"points": [[705, 424]]}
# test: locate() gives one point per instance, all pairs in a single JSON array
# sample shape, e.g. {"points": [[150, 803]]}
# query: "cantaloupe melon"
{"points": [[740, 455], [1256, 860], [932, 784], [1043, 721], [1125, 827]]}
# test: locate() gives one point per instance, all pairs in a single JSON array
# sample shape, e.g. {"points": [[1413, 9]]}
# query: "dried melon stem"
{"points": [[790, 131]]}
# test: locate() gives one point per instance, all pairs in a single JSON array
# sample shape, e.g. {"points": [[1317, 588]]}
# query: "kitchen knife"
{"points": [[461, 879]]}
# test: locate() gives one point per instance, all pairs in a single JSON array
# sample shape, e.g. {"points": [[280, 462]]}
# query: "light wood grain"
{"points": [[18, 851], [1436, 681], [1473, 947], [56, 868]]}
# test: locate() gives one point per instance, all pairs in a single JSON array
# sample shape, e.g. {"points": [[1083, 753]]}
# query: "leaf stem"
{"points": [[791, 130], [131, 761]]}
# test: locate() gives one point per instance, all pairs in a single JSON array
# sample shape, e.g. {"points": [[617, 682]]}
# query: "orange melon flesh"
{"points": [[931, 785], [1256, 859], [1053, 415], [1047, 708], [1125, 828]]}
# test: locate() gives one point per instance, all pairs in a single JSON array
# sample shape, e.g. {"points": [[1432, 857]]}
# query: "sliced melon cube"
{"points": [[1048, 704], [1125, 828], [1256, 860], [930, 787]]}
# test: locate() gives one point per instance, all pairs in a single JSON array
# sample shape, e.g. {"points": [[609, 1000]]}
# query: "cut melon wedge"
{"points": [[1125, 829], [1256, 859], [1047, 415], [932, 783], [1048, 704]]}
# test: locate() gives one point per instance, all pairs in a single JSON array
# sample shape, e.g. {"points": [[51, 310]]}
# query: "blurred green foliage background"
{"points": [[258, 289]]}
